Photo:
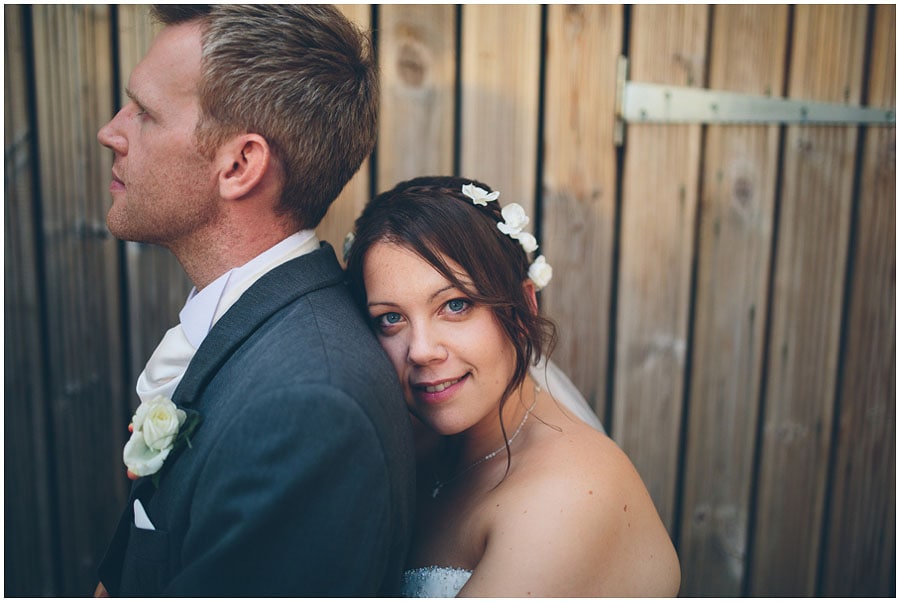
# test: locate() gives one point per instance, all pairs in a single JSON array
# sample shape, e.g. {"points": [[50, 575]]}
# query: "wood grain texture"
{"points": [[734, 252], [349, 204], [810, 266], [808, 373], [30, 563], [861, 525], [579, 184], [500, 59], [417, 58], [73, 83], [659, 203]]}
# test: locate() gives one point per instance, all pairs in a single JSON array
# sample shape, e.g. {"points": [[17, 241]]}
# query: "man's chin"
{"points": [[122, 231], [115, 228]]}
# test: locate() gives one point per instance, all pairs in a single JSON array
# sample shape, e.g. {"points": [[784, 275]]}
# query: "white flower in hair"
{"points": [[479, 196], [514, 219], [528, 242], [540, 273]]}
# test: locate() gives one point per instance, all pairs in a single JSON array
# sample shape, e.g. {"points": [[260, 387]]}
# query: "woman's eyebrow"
{"points": [[441, 291], [433, 296]]}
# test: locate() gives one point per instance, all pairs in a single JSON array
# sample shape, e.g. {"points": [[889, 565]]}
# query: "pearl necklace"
{"points": [[439, 484]]}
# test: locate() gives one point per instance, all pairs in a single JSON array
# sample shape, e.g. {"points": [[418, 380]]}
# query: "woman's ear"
{"points": [[244, 162], [530, 295]]}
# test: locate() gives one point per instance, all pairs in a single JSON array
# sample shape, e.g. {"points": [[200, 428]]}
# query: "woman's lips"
{"points": [[438, 391]]}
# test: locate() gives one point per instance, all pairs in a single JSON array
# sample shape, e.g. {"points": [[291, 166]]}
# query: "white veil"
{"points": [[552, 379]]}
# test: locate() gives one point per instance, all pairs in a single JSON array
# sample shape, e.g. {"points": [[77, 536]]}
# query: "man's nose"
{"points": [[111, 135]]}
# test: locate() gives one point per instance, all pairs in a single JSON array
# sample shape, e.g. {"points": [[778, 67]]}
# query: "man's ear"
{"points": [[530, 295], [244, 162]]}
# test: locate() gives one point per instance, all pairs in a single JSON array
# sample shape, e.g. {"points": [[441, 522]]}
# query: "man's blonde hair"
{"points": [[301, 76]]}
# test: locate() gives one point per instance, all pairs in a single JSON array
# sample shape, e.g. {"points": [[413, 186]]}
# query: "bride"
{"points": [[520, 493]]}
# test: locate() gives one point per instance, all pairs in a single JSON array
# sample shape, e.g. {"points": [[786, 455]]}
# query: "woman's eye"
{"points": [[457, 305], [389, 319]]}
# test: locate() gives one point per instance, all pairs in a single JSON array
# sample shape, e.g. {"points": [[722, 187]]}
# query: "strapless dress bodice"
{"points": [[433, 582]]}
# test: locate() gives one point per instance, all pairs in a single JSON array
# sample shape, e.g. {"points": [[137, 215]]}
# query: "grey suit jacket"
{"points": [[300, 478]]}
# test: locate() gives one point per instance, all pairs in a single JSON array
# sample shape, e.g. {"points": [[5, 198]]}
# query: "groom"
{"points": [[271, 451]]}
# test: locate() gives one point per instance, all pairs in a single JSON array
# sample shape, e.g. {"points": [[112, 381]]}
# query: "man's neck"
{"points": [[208, 259]]}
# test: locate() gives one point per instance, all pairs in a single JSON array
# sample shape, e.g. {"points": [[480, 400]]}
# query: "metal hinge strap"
{"points": [[640, 102]]}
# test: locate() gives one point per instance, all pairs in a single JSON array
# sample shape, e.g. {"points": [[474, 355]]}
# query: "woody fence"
{"points": [[725, 292]]}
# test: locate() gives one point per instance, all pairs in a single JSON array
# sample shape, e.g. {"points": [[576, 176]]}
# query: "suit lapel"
{"points": [[269, 294]]}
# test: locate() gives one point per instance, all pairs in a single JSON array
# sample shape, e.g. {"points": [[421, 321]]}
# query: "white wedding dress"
{"points": [[446, 582]]}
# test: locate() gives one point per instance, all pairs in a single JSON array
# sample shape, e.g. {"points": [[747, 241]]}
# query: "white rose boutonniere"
{"points": [[157, 427]]}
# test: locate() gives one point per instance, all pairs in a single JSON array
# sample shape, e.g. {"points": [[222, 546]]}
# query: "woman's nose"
{"points": [[425, 347]]}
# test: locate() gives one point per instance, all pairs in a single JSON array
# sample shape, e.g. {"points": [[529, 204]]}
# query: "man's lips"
{"points": [[117, 184]]}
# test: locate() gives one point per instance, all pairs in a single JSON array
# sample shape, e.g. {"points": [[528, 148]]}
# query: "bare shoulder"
{"points": [[575, 519]]}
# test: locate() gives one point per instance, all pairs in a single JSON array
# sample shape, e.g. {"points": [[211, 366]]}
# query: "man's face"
{"points": [[163, 189]]}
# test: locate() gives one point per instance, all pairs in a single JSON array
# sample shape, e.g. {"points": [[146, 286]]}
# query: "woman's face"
{"points": [[452, 356]]}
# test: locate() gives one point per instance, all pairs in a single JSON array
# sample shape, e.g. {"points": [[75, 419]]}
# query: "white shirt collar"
{"points": [[203, 308]]}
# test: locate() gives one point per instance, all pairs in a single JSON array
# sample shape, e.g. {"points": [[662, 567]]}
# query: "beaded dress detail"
{"points": [[433, 582]]}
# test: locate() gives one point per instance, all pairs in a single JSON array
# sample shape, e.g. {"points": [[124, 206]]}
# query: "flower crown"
{"points": [[514, 220]]}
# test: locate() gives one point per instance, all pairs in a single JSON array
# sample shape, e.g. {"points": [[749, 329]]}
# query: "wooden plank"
{"points": [[28, 537], [417, 58], [157, 284], [349, 204], [659, 203], [84, 383], [500, 60], [579, 186], [734, 254], [861, 534], [817, 193]]}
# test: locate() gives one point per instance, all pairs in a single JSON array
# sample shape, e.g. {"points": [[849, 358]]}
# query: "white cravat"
{"points": [[170, 360], [166, 366]]}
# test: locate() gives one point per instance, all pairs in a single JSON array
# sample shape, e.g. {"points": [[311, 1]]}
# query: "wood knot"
{"points": [[743, 191], [411, 65]]}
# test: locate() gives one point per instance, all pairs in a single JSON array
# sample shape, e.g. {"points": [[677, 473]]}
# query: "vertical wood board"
{"points": [[657, 238], [73, 85], [579, 187], [28, 538], [810, 265], [861, 526], [735, 237], [500, 59], [417, 58]]}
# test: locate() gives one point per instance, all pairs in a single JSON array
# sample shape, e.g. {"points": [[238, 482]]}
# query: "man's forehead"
{"points": [[171, 66]]}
